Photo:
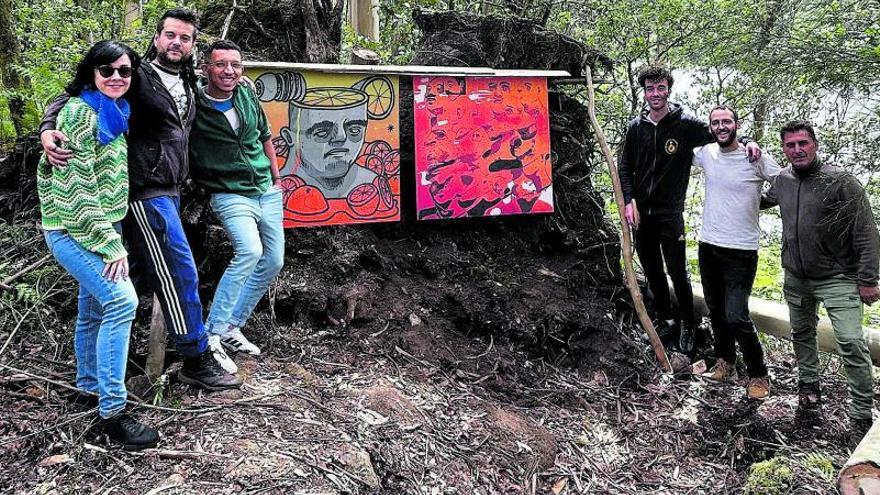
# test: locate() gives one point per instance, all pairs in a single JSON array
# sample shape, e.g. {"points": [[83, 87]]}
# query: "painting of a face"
{"points": [[326, 133], [330, 140], [337, 142]]}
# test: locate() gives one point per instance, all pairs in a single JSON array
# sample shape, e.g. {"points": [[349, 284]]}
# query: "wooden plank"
{"points": [[156, 343], [413, 70]]}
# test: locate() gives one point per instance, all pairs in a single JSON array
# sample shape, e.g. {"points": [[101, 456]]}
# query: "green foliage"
{"points": [[820, 465], [54, 35], [768, 281], [771, 477]]}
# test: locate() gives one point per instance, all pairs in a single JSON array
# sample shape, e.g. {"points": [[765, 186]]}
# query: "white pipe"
{"points": [[772, 319]]}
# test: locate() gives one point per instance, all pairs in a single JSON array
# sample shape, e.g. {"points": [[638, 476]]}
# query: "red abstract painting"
{"points": [[482, 146]]}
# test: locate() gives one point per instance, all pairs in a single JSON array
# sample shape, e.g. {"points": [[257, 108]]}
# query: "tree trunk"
{"points": [[10, 52], [861, 473], [133, 14], [363, 56], [364, 18], [761, 109]]}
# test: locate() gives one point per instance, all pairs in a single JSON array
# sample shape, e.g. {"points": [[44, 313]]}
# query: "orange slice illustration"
{"points": [[364, 199], [332, 98], [381, 93]]}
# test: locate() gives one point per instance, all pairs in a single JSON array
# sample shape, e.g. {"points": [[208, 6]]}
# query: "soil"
{"points": [[379, 412]]}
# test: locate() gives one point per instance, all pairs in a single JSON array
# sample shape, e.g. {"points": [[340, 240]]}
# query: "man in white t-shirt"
{"points": [[728, 251]]}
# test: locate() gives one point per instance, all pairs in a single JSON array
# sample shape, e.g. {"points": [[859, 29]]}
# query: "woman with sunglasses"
{"points": [[81, 206]]}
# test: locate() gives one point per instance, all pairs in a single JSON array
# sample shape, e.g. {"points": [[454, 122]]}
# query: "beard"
{"points": [[164, 61], [727, 142]]}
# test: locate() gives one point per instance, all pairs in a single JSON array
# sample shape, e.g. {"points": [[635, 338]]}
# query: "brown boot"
{"points": [[758, 388], [722, 372]]}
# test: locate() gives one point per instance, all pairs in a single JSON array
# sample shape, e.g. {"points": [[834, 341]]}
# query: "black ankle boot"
{"points": [[125, 430], [204, 371]]}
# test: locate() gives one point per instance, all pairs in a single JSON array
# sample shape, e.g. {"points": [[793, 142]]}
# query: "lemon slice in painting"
{"points": [[381, 93], [332, 98]]}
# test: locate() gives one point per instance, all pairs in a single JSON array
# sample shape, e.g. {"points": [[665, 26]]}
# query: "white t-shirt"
{"points": [[733, 195], [175, 86]]}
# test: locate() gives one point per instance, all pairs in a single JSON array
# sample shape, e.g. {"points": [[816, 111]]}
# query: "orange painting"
{"points": [[482, 146], [338, 145]]}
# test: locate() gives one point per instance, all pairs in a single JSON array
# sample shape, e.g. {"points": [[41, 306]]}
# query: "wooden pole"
{"points": [[156, 344], [631, 282], [861, 473]]}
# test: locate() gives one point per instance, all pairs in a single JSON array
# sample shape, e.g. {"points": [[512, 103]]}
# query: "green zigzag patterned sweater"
{"points": [[87, 196]]}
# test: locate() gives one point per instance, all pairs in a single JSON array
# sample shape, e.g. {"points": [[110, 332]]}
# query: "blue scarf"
{"points": [[112, 115]]}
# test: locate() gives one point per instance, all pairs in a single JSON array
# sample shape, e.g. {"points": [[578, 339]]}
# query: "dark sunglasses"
{"points": [[107, 71]]}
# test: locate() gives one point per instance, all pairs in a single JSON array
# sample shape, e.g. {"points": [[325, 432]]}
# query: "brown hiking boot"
{"points": [[758, 388], [722, 372]]}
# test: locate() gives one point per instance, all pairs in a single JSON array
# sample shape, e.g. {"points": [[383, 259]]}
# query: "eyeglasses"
{"points": [[222, 65], [107, 71]]}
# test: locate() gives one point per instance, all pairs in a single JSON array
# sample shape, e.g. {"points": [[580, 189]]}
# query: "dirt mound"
{"points": [[547, 282]]}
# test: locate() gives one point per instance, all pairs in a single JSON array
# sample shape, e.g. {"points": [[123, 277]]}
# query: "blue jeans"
{"points": [[162, 263], [254, 224], [103, 323]]}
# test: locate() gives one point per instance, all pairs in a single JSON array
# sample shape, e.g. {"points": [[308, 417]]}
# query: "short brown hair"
{"points": [[795, 126], [724, 107]]}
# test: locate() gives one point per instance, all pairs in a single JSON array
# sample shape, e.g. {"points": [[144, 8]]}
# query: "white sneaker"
{"points": [[220, 355], [235, 341]]}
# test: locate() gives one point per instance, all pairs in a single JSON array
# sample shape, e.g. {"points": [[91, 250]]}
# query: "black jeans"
{"points": [[728, 275], [660, 238]]}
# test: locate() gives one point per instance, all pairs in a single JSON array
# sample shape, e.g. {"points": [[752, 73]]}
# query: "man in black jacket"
{"points": [[655, 169], [162, 113], [830, 249]]}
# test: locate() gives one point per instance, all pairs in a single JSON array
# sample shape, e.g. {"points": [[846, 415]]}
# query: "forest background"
{"points": [[772, 60]]}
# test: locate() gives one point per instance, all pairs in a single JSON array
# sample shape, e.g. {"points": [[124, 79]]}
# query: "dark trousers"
{"points": [[660, 238], [728, 275], [162, 263]]}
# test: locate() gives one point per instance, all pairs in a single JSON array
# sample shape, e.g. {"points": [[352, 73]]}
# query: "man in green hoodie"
{"points": [[830, 254], [233, 159]]}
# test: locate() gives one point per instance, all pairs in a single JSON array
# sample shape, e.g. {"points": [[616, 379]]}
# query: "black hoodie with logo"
{"points": [[655, 166]]}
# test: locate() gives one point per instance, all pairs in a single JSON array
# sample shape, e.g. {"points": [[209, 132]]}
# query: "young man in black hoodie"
{"points": [[655, 169], [162, 99]]}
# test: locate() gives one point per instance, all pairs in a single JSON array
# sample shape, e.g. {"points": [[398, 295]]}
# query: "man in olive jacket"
{"points": [[233, 159], [830, 255]]}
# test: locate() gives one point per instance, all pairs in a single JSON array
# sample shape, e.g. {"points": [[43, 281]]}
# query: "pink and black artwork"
{"points": [[482, 146]]}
